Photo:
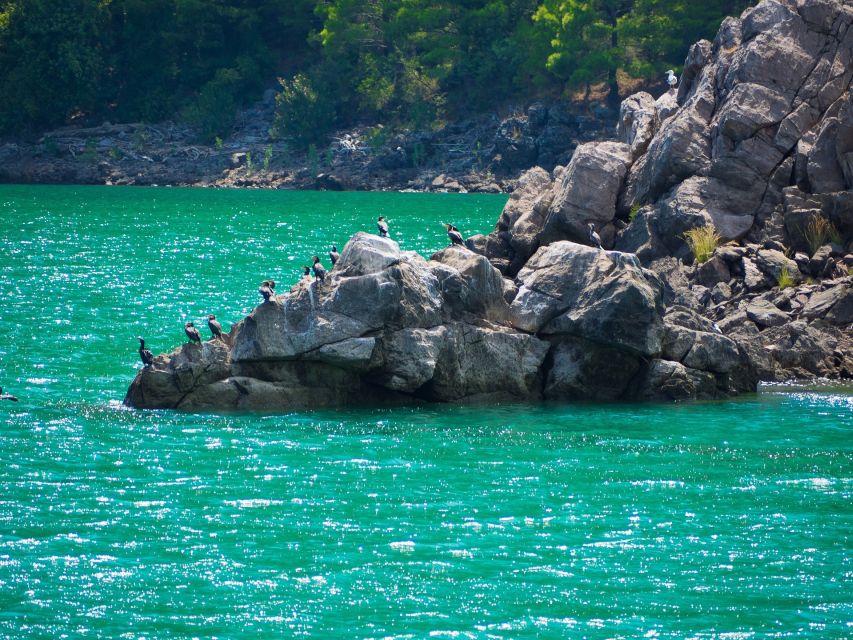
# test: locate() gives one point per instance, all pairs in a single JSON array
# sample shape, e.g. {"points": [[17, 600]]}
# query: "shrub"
{"points": [[212, 112], [635, 209], [304, 112], [785, 279], [818, 230], [702, 242]]}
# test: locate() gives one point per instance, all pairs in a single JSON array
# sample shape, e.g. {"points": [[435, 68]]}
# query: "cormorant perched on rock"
{"points": [[144, 354], [319, 270], [383, 226], [215, 327], [593, 237], [192, 332], [334, 255], [671, 79], [5, 396], [306, 271], [454, 235], [267, 290]]}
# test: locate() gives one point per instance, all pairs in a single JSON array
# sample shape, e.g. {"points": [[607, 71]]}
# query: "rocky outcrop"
{"points": [[757, 141], [388, 326], [483, 154]]}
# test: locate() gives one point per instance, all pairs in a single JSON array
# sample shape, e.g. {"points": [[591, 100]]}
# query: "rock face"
{"points": [[758, 140], [388, 327]]}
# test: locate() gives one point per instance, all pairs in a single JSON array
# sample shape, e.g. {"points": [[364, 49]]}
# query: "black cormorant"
{"points": [[192, 332], [215, 327], [454, 235], [383, 226], [306, 271], [594, 238], [6, 396], [144, 354], [267, 290], [334, 255], [319, 270]]}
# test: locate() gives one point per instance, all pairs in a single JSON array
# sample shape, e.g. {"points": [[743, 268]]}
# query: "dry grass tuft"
{"points": [[702, 242]]}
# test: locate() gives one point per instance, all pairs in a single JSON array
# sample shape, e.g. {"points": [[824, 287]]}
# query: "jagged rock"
{"points": [[471, 357], [572, 289], [766, 314], [754, 279], [667, 380], [666, 105], [472, 284], [817, 263], [587, 191], [758, 140], [772, 263], [406, 359], [834, 304], [800, 351], [638, 121], [514, 144], [714, 271], [720, 292]]}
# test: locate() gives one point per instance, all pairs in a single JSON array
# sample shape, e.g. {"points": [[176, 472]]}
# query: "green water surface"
{"points": [[726, 520]]}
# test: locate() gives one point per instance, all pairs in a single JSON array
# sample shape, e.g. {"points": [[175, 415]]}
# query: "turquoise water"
{"points": [[708, 520]]}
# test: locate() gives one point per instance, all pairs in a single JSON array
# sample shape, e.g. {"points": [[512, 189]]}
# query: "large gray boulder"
{"points": [[638, 122], [572, 289], [587, 191]]}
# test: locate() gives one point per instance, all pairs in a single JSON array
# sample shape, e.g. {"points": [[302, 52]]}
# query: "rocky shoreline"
{"points": [[485, 154], [757, 141]]}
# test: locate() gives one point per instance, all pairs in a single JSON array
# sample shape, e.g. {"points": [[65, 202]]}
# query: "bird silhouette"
{"points": [[214, 326], [593, 237], [454, 235], [319, 270], [382, 225], [267, 290], [192, 332], [144, 354]]}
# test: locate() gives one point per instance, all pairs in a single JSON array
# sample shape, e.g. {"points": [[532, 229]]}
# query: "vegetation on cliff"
{"points": [[412, 62]]}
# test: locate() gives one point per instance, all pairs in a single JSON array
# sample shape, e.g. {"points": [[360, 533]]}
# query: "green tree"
{"points": [[303, 113], [52, 62], [586, 44], [593, 40]]}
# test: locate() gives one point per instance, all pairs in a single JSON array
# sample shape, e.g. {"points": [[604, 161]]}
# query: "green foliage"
{"points": [[406, 63], [376, 138], [418, 154], [267, 157], [52, 63], [592, 40], [635, 209], [250, 165], [313, 159], [89, 153], [217, 142], [303, 113], [212, 111], [702, 242], [818, 231], [785, 279]]}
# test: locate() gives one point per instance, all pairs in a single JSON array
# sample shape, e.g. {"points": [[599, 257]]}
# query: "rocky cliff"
{"points": [[757, 140]]}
